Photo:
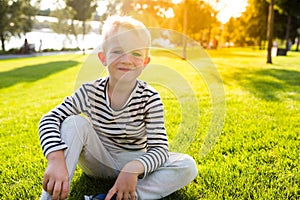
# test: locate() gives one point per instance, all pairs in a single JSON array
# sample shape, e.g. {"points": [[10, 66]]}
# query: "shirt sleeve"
{"points": [[49, 126], [157, 143]]}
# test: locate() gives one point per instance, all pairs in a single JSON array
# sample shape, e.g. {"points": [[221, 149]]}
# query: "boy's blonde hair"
{"points": [[119, 24]]}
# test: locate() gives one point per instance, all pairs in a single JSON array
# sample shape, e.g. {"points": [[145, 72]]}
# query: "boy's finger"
{"points": [[56, 190], [45, 183], [119, 195], [132, 195], [65, 190], [111, 193], [50, 187], [126, 196]]}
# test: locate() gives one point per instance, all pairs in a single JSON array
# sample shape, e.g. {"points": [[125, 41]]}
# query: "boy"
{"points": [[125, 137]]}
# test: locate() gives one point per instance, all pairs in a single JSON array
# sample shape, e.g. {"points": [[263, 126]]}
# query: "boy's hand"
{"points": [[125, 185], [56, 178]]}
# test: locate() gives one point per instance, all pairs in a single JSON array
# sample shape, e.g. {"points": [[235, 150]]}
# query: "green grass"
{"points": [[256, 155]]}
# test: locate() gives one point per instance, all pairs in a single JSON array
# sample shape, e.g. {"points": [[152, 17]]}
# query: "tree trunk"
{"points": [[184, 30], [74, 32], [83, 34], [83, 29], [287, 34], [2, 42], [270, 31], [298, 43], [260, 44]]}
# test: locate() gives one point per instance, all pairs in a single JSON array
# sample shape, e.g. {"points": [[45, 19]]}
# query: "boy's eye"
{"points": [[136, 54], [117, 51]]}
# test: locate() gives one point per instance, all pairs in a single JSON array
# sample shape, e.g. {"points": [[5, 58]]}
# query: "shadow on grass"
{"points": [[33, 72], [268, 84], [85, 185]]}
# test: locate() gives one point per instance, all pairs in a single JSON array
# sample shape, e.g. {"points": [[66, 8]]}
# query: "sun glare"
{"points": [[230, 8], [227, 8], [177, 1]]}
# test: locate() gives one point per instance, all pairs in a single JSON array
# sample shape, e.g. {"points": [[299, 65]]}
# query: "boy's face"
{"points": [[125, 55]]}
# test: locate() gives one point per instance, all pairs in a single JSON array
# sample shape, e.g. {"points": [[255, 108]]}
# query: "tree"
{"points": [[112, 7], [16, 18], [62, 25], [65, 25], [254, 22], [289, 11], [229, 31], [285, 18], [270, 31], [151, 13], [199, 18], [292, 8], [82, 11]]}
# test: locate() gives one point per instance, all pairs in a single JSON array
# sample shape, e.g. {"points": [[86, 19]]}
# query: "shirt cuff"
{"points": [[142, 176], [55, 148]]}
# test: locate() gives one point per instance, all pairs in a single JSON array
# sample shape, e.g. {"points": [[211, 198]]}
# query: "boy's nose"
{"points": [[125, 58]]}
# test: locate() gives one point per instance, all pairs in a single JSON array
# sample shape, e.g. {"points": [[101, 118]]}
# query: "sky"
{"points": [[227, 8]]}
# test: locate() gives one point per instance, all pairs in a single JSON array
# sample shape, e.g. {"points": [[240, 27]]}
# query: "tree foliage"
{"points": [[201, 16], [16, 18], [255, 21], [81, 10], [62, 25], [151, 13], [288, 18], [66, 24], [112, 8]]}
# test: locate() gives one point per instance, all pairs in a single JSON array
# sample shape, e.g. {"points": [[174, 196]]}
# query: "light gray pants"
{"points": [[86, 149]]}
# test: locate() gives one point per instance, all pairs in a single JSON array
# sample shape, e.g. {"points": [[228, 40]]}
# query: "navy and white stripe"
{"points": [[138, 126]]}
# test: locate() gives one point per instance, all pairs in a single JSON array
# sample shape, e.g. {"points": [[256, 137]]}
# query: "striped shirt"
{"points": [[138, 126]]}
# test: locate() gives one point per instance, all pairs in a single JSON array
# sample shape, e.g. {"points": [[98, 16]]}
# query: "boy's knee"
{"points": [[75, 128], [75, 125], [74, 121], [187, 166], [191, 169]]}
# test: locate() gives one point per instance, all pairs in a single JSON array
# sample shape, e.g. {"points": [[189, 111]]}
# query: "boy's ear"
{"points": [[102, 58], [147, 60]]}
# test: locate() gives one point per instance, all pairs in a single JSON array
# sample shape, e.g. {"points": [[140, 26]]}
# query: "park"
{"points": [[255, 152]]}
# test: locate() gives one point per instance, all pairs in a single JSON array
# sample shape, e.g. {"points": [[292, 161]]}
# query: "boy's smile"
{"points": [[124, 69]]}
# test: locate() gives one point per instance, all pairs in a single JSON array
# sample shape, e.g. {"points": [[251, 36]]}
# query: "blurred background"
{"points": [[55, 25]]}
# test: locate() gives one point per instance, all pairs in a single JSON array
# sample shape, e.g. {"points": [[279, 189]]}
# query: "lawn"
{"points": [[256, 155]]}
